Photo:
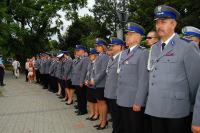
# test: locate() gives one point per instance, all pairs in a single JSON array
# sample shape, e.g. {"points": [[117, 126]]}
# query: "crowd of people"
{"points": [[154, 90]]}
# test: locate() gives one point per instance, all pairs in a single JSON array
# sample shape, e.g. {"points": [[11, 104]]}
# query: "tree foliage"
{"points": [[26, 25]]}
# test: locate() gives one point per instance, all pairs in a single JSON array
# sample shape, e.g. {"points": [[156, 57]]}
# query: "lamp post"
{"points": [[123, 17]]}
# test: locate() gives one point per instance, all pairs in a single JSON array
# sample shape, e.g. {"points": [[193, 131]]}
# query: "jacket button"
{"points": [[154, 76], [152, 84], [156, 68]]}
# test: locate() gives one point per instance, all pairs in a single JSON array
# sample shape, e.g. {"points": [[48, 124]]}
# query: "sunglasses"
{"points": [[149, 37]]}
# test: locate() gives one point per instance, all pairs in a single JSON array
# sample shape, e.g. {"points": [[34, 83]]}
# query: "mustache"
{"points": [[160, 30]]}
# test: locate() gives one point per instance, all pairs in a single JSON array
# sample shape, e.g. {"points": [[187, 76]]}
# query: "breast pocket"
{"points": [[130, 67], [168, 59], [130, 62]]}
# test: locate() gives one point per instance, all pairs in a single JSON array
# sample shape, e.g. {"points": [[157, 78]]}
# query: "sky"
{"points": [[81, 12]]}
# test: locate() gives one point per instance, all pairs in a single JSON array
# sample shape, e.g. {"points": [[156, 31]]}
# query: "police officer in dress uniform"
{"points": [[116, 46], [92, 102], [132, 85], [196, 116], [78, 79], [47, 66], [66, 68], [174, 76], [68, 62], [45, 70], [62, 78], [192, 33], [98, 81], [58, 74], [37, 67], [52, 69], [2, 72], [42, 68]]}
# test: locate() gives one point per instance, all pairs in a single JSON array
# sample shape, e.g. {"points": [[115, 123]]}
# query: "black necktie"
{"points": [[163, 46], [129, 50], [112, 58]]}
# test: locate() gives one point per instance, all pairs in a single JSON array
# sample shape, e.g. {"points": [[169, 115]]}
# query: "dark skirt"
{"points": [[74, 87], [91, 95], [68, 84], [99, 93]]}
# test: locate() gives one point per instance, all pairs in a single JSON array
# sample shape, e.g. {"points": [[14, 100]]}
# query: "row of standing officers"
{"points": [[147, 91]]}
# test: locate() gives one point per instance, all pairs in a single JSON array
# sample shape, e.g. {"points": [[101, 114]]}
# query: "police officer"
{"points": [[116, 46], [174, 76], [2, 72], [92, 102], [192, 33], [58, 75], [67, 77], [52, 70], [152, 38], [37, 67], [78, 78], [45, 70], [132, 85], [62, 78], [98, 81], [67, 66], [42, 69], [196, 116], [47, 66]]}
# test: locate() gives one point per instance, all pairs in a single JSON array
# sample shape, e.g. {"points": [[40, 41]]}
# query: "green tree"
{"points": [[26, 25], [83, 31]]}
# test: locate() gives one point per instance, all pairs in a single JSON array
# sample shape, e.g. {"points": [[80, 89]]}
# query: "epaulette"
{"points": [[185, 39], [141, 47]]}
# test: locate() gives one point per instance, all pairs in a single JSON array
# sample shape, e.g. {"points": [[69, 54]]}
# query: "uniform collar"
{"points": [[131, 48], [168, 40], [115, 56]]}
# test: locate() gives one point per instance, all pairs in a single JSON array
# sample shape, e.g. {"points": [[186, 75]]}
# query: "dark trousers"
{"points": [[37, 76], [190, 117], [53, 86], [26, 74], [45, 81], [115, 114], [41, 79], [132, 122], [165, 125], [62, 83], [82, 98], [2, 72]]}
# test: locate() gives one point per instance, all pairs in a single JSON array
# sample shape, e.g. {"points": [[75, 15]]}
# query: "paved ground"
{"points": [[27, 108]]}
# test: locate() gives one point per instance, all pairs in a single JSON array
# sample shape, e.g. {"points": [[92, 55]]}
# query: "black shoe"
{"points": [[76, 111], [70, 103], [96, 125], [61, 97], [89, 118], [63, 100], [104, 127], [81, 113], [94, 119], [75, 106], [3, 84]]}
